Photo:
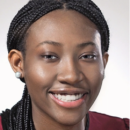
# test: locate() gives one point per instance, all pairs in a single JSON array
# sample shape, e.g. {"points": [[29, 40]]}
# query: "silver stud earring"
{"points": [[18, 75]]}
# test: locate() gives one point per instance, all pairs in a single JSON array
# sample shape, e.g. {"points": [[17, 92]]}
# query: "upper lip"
{"points": [[68, 91]]}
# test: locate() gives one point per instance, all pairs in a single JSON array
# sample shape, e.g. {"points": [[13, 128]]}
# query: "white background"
{"points": [[114, 98]]}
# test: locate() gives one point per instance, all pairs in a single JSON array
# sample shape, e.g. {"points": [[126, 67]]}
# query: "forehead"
{"points": [[64, 25]]}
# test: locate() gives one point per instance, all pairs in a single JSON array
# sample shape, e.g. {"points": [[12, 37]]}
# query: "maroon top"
{"points": [[99, 121], [0, 124]]}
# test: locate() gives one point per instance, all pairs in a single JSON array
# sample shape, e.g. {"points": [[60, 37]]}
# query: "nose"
{"points": [[69, 73]]}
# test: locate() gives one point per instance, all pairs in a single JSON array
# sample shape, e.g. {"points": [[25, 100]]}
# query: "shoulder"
{"points": [[106, 122], [0, 124]]}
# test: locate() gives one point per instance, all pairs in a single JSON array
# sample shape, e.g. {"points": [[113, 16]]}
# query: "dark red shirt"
{"points": [[0, 124], [99, 121]]}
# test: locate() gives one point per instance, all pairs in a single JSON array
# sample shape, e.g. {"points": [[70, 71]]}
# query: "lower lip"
{"points": [[72, 104]]}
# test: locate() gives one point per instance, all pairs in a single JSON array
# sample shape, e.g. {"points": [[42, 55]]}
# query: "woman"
{"points": [[59, 49]]}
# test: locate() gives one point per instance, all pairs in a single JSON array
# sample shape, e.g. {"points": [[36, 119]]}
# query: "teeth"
{"points": [[63, 97], [72, 97], [56, 95], [68, 98], [79, 95], [59, 96]]}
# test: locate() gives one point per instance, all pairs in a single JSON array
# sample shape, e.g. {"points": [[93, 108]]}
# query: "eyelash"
{"points": [[48, 56], [89, 57]]}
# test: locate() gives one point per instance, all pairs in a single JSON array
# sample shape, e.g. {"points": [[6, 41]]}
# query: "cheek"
{"points": [[39, 77], [94, 77]]}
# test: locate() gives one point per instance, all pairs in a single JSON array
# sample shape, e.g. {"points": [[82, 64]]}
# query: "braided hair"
{"points": [[20, 116]]}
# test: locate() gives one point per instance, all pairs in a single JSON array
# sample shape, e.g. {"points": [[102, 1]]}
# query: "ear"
{"points": [[105, 59], [15, 58]]}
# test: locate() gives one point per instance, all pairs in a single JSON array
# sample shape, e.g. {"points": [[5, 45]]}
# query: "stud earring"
{"points": [[18, 75]]}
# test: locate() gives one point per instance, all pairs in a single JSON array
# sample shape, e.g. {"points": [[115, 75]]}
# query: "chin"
{"points": [[69, 121], [70, 117]]}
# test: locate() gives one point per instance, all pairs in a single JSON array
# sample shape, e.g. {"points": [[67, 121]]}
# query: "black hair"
{"points": [[35, 9], [20, 116]]}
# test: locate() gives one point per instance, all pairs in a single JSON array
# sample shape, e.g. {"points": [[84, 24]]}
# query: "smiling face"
{"points": [[63, 67]]}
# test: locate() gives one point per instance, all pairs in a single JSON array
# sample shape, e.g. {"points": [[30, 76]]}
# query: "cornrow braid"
{"points": [[20, 116], [96, 16], [23, 20], [35, 9]]}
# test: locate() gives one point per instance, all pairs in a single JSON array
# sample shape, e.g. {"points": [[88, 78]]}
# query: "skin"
{"points": [[69, 68]]}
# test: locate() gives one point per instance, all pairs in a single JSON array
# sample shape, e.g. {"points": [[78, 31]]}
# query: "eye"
{"points": [[89, 57], [49, 57]]}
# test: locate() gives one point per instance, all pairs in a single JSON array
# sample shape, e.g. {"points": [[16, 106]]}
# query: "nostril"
{"points": [[63, 82]]}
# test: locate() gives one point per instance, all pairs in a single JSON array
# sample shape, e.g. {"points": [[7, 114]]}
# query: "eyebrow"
{"points": [[50, 43], [82, 45]]}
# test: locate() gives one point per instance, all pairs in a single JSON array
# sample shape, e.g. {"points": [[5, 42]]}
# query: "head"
{"points": [[60, 47]]}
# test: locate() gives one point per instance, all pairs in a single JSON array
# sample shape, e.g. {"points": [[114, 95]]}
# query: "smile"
{"points": [[68, 98]]}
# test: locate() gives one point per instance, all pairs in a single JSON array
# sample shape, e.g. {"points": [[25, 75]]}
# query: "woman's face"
{"points": [[64, 66]]}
